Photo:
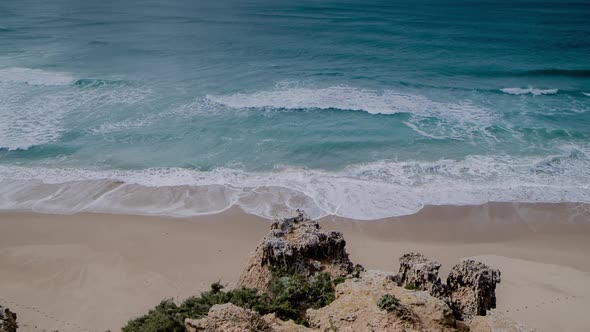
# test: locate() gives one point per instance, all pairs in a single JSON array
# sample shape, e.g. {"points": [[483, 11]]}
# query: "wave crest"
{"points": [[531, 91], [451, 119], [32, 116]]}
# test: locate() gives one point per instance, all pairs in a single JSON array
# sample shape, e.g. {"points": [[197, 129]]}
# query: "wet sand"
{"points": [[93, 272]]}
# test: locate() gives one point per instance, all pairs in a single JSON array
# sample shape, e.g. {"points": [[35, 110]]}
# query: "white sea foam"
{"points": [[586, 93], [34, 115], [368, 191], [451, 119], [35, 77], [531, 91], [347, 98]]}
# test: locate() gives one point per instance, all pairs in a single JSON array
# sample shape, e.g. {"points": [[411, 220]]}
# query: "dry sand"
{"points": [[93, 272]]}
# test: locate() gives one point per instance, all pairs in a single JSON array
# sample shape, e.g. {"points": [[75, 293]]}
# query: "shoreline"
{"points": [[371, 191], [99, 270]]}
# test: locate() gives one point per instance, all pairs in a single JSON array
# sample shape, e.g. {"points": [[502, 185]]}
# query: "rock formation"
{"points": [[417, 272], [228, 317], [355, 308], [471, 287], [299, 245], [424, 303], [7, 320]]}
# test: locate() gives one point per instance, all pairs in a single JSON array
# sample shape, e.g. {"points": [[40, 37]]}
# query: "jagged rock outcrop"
{"points": [[300, 245], [471, 288], [228, 318], [7, 320], [423, 303], [355, 308], [417, 272]]}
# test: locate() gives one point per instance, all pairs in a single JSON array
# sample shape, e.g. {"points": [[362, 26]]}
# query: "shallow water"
{"points": [[363, 109]]}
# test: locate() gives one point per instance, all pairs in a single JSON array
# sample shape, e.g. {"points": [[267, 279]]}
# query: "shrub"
{"points": [[411, 286], [338, 280], [291, 294], [164, 317], [168, 317], [388, 303]]}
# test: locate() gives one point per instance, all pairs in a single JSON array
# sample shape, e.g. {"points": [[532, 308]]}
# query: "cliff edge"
{"points": [[414, 299]]}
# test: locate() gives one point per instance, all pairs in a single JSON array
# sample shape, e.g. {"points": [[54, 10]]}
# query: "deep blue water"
{"points": [[364, 109]]}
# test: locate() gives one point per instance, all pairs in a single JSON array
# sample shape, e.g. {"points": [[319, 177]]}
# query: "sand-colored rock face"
{"points": [[297, 243], [7, 320], [229, 318], [419, 272], [356, 309], [471, 288]]}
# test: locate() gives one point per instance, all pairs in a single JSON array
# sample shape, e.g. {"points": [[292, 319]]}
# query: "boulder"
{"points": [[471, 288], [228, 318], [299, 245], [7, 320], [356, 308], [418, 272]]}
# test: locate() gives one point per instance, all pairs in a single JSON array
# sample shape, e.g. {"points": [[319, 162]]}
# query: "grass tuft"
{"points": [[388, 303]]}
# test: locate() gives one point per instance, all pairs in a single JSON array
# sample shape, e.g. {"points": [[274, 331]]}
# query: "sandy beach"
{"points": [[93, 272]]}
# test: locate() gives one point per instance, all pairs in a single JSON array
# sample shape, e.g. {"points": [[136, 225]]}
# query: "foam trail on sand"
{"points": [[365, 192]]}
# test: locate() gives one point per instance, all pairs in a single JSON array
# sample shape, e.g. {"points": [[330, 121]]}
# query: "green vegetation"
{"points": [[338, 280], [388, 303], [411, 286], [168, 317], [290, 295]]}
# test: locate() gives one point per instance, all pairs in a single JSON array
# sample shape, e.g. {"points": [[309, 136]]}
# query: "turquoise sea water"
{"points": [[364, 109]]}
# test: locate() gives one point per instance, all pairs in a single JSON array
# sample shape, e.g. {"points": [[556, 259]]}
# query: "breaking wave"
{"points": [[531, 91], [364, 192], [33, 115], [452, 119]]}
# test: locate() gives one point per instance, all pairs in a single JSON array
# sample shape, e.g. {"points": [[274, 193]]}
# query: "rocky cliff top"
{"points": [[299, 245], [414, 299]]}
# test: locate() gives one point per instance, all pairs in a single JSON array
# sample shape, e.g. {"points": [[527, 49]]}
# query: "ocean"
{"points": [[361, 109]]}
